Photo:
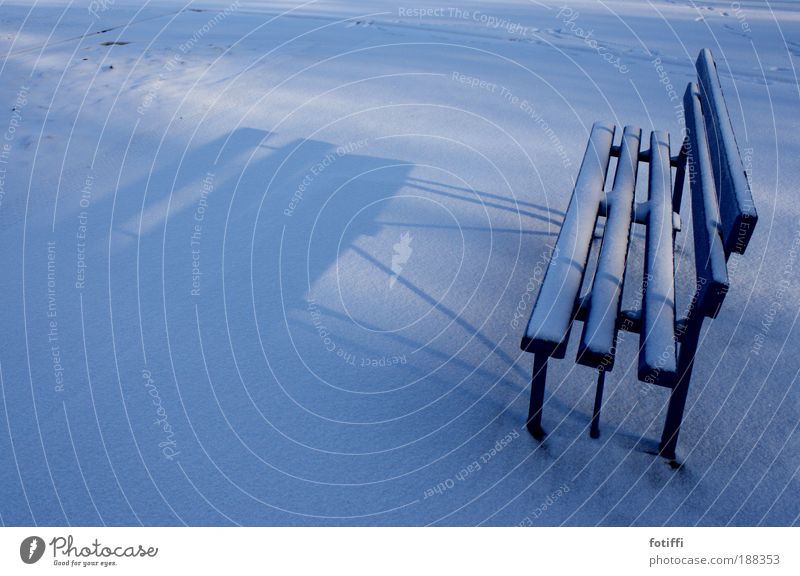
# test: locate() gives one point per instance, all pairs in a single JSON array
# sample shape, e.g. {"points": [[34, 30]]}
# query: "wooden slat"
{"points": [[657, 354], [550, 322], [738, 213], [709, 253], [598, 341]]}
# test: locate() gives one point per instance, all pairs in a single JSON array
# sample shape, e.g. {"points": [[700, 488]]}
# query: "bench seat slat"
{"points": [[738, 213], [709, 253], [550, 322], [657, 353], [598, 340]]}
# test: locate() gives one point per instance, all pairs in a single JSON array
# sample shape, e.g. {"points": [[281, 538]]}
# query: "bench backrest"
{"points": [[723, 220], [723, 212]]}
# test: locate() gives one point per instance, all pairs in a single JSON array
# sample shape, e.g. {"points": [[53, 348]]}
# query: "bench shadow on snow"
{"points": [[349, 222], [334, 241], [291, 258]]}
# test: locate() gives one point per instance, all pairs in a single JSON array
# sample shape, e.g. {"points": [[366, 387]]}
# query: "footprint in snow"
{"points": [[735, 31], [363, 23]]}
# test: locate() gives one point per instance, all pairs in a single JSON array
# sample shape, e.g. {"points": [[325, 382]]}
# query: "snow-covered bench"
{"points": [[723, 218]]}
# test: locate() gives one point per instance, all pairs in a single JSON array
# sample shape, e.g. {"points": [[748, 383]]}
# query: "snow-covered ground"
{"points": [[263, 264]]}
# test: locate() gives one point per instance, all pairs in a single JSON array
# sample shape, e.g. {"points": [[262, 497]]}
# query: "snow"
{"points": [[271, 264]]}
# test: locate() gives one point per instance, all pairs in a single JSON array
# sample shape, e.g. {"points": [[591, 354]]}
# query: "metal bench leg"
{"points": [[680, 176], [538, 379], [672, 426], [677, 400], [594, 431]]}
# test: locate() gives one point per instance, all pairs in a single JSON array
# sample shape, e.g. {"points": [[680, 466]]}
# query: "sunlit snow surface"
{"points": [[271, 263]]}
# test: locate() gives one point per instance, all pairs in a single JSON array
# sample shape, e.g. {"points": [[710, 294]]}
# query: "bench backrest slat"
{"points": [[598, 340], [737, 211], [709, 252], [550, 322], [657, 354]]}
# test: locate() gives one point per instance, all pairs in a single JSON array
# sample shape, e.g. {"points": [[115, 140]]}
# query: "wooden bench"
{"points": [[723, 217]]}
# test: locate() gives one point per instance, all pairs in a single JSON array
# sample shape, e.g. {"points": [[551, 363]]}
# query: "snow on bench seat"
{"points": [[657, 354], [598, 340], [550, 322]]}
